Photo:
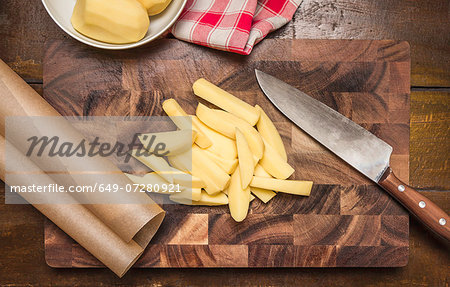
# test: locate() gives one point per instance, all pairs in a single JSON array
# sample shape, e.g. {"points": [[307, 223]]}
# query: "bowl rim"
{"points": [[99, 44]]}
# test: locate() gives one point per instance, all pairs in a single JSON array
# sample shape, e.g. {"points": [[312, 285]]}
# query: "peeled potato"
{"points": [[226, 101], [245, 156], [297, 187], [156, 163], [228, 165], [184, 122], [274, 164], [155, 6], [270, 133], [175, 142], [205, 199], [238, 198], [111, 21], [221, 145], [226, 124]]}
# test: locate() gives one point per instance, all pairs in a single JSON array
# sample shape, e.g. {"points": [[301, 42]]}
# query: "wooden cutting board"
{"points": [[347, 220]]}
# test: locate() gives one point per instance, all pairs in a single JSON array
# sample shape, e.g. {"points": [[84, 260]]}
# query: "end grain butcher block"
{"points": [[347, 220]]}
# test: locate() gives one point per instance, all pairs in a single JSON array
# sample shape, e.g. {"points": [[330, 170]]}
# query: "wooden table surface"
{"points": [[25, 26]]}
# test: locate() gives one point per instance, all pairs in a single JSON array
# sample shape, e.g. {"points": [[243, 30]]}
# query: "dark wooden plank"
{"points": [[23, 262], [24, 28], [424, 24], [350, 256], [430, 137]]}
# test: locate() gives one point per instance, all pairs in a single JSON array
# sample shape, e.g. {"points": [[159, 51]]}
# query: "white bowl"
{"points": [[61, 11]]}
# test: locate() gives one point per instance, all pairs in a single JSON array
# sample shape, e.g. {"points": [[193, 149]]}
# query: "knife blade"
{"points": [[352, 143]]}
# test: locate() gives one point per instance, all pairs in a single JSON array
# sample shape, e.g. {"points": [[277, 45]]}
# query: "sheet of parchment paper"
{"points": [[134, 223]]}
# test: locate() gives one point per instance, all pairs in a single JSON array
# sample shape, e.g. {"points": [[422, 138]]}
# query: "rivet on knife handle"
{"points": [[424, 209]]}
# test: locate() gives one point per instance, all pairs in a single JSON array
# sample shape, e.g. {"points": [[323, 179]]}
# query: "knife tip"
{"points": [[258, 74]]}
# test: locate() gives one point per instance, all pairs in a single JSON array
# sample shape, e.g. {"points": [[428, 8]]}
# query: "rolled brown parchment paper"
{"points": [[136, 222], [73, 218]]}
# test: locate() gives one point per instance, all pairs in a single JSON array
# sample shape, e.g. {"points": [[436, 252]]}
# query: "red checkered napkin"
{"points": [[232, 25]]}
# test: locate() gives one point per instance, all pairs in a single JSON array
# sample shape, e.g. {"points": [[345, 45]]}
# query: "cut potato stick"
{"points": [[274, 164], [245, 156], [255, 160], [196, 193], [205, 199], [156, 163], [184, 122], [226, 124], [186, 179], [297, 187], [221, 145], [270, 133], [228, 165], [182, 161], [264, 194], [260, 171], [215, 178], [210, 117], [176, 113], [226, 101], [189, 193], [251, 195], [168, 143], [238, 198]]}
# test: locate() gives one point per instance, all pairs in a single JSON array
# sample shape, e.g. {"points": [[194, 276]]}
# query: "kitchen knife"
{"points": [[361, 149]]}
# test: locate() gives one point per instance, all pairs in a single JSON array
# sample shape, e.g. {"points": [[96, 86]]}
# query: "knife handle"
{"points": [[424, 209]]}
